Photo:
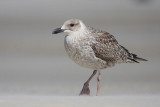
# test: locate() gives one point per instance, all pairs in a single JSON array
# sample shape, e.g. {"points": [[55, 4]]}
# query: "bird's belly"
{"points": [[85, 57]]}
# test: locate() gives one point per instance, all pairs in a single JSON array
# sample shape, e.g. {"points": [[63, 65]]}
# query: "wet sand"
{"points": [[79, 101]]}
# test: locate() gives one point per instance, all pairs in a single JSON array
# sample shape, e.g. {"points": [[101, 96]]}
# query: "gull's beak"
{"points": [[57, 30]]}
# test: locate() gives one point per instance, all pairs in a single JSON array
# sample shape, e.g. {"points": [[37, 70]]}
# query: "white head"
{"points": [[70, 26]]}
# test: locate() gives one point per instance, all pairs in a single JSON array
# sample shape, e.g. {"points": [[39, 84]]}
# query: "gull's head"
{"points": [[70, 26]]}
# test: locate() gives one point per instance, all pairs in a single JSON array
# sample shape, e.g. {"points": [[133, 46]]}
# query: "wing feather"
{"points": [[108, 49]]}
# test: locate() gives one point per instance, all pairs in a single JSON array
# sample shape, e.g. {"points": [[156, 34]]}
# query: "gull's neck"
{"points": [[83, 26]]}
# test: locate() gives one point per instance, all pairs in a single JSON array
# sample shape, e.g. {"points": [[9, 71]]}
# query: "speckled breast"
{"points": [[82, 54]]}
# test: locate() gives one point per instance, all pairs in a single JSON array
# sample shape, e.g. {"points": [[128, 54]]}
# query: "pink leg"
{"points": [[85, 89], [98, 83]]}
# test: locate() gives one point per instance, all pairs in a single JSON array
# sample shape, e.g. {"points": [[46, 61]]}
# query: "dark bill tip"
{"points": [[57, 30]]}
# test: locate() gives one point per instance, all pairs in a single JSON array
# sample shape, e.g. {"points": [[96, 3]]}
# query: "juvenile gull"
{"points": [[94, 49]]}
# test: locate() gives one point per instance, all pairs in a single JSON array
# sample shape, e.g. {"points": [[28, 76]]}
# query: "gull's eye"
{"points": [[71, 25]]}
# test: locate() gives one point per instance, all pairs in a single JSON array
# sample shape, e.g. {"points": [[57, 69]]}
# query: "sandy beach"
{"points": [[82, 101]]}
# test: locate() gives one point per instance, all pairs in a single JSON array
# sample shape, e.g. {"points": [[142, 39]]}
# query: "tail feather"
{"points": [[140, 59], [135, 58], [132, 60]]}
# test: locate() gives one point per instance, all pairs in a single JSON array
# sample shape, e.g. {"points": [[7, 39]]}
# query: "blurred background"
{"points": [[34, 62]]}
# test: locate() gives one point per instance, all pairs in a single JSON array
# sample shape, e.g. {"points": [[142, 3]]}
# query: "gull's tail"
{"points": [[133, 57]]}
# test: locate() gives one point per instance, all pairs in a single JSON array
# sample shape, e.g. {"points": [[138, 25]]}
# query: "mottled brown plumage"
{"points": [[94, 49], [108, 49]]}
